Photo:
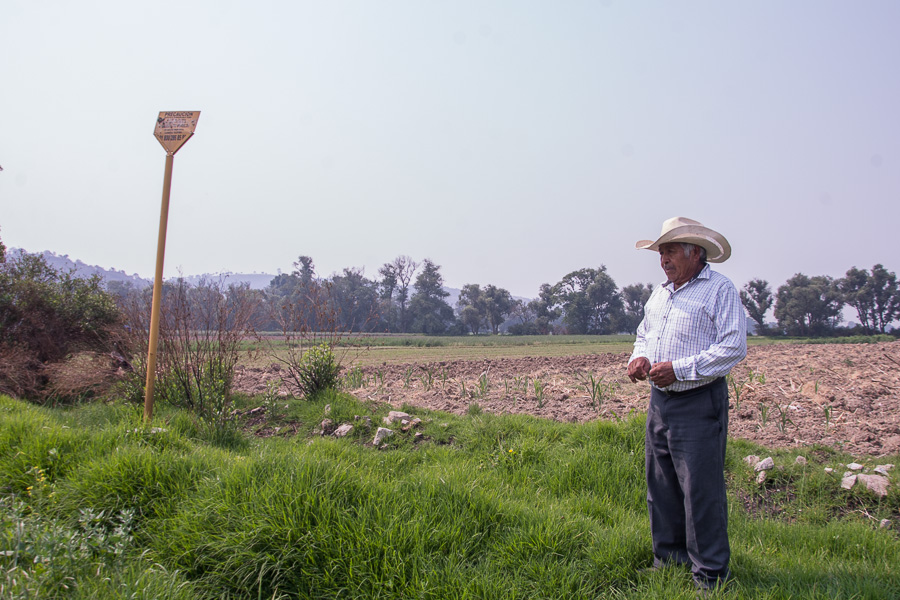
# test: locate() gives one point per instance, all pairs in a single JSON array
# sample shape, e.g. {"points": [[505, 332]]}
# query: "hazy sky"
{"points": [[509, 141]]}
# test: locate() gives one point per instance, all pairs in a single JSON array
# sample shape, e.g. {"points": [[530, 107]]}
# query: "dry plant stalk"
{"points": [[203, 329]]}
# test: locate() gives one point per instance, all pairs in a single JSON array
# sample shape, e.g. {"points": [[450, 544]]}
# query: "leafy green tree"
{"points": [[396, 279], [386, 288], [284, 303], [355, 300], [526, 319], [471, 306], [808, 306], [299, 301], [875, 296], [498, 305], [305, 270], [429, 312], [634, 297], [491, 306], [757, 299], [545, 309], [590, 301]]}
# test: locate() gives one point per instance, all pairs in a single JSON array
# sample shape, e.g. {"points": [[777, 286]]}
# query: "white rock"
{"points": [[343, 430], [761, 478], [382, 433], [883, 469], [855, 467], [848, 482], [395, 415], [751, 460], [765, 464], [801, 460], [875, 483], [829, 470], [885, 524]]}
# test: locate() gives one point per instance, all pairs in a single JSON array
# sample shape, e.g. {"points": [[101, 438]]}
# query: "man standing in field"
{"points": [[693, 332]]}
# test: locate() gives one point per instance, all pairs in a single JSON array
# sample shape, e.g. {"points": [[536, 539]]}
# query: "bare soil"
{"points": [[786, 395]]}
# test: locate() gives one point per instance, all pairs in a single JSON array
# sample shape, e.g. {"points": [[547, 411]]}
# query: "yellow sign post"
{"points": [[173, 129]]}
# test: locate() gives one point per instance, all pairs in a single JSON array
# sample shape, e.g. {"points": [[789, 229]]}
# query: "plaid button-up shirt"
{"points": [[701, 327]]}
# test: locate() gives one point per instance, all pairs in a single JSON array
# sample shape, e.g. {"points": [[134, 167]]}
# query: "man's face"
{"points": [[678, 267]]}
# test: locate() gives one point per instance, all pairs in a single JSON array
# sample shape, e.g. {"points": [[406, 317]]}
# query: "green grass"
{"points": [[94, 505], [481, 341], [377, 349]]}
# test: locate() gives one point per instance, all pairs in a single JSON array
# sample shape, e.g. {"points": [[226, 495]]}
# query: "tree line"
{"points": [[407, 296], [812, 306]]}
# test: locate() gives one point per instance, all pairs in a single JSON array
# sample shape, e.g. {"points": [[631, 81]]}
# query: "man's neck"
{"points": [[675, 286]]}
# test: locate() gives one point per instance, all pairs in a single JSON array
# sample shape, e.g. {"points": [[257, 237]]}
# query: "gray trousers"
{"points": [[685, 467]]}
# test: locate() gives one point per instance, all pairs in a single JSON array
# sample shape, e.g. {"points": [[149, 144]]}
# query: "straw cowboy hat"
{"points": [[684, 230]]}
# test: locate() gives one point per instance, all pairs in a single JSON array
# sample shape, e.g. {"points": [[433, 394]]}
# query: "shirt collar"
{"points": [[703, 274]]}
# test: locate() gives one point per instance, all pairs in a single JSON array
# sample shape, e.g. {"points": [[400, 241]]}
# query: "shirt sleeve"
{"points": [[640, 344], [730, 346], [640, 340]]}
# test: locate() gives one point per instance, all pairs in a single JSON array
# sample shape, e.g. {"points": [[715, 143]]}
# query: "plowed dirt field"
{"points": [[841, 395]]}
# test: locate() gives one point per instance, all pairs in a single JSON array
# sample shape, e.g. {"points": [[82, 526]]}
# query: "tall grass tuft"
{"points": [[482, 506]]}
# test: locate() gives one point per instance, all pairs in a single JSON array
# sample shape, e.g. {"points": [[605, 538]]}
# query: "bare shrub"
{"points": [[203, 330]]}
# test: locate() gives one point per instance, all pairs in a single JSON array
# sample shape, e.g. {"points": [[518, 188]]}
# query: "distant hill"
{"points": [[64, 263], [256, 281]]}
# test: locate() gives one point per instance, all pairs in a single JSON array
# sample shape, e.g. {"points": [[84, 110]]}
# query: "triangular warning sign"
{"points": [[175, 127]]}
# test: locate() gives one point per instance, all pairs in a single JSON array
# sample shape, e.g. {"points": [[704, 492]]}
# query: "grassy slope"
{"points": [[485, 507]]}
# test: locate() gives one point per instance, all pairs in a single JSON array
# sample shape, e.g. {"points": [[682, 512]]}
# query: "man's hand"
{"points": [[662, 374], [638, 369]]}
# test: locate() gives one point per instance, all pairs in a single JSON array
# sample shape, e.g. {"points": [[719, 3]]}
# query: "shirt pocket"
{"points": [[689, 320]]}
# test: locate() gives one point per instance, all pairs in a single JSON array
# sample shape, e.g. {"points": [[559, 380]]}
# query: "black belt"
{"points": [[699, 388]]}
